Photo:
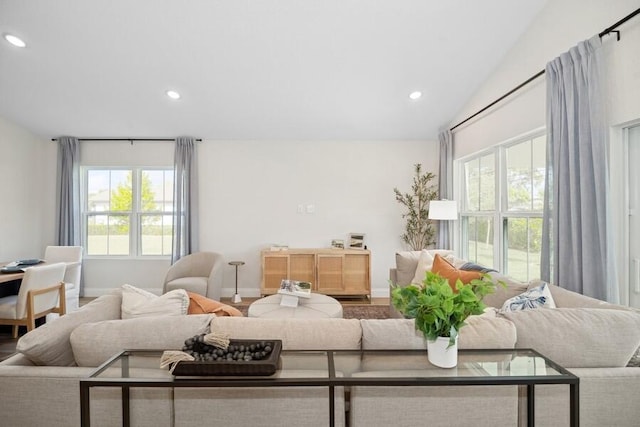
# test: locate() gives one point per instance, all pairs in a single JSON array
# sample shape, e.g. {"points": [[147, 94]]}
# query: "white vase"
{"points": [[440, 354]]}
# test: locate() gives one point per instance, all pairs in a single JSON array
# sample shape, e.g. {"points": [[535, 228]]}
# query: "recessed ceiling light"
{"points": [[173, 94], [16, 41], [415, 95]]}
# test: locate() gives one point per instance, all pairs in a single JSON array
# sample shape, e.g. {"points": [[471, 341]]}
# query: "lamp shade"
{"points": [[443, 209]]}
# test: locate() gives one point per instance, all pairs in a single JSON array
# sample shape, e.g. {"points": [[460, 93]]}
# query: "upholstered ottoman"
{"points": [[316, 307]]}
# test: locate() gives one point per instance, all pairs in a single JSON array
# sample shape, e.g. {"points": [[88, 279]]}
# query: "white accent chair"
{"points": [[42, 292], [72, 257], [200, 272]]}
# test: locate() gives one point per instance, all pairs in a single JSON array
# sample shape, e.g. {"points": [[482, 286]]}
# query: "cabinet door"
{"points": [[330, 279], [274, 269], [356, 274], [302, 267]]}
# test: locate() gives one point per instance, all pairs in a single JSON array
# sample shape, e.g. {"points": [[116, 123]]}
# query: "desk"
{"points": [[9, 282], [9, 277]]}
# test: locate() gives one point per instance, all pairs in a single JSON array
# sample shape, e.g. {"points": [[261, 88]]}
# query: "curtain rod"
{"points": [[605, 32], [125, 139]]}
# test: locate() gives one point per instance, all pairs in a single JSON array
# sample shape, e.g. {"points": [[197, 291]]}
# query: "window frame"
{"points": [[135, 215], [500, 214]]}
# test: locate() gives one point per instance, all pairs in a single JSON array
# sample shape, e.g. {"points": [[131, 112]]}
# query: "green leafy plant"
{"points": [[438, 310], [419, 231]]}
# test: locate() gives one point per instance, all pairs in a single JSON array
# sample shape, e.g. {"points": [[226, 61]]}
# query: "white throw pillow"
{"points": [[537, 297], [425, 262], [137, 302]]}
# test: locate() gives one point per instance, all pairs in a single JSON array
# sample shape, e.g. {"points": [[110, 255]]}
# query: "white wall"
{"points": [[250, 191], [27, 201], [558, 27]]}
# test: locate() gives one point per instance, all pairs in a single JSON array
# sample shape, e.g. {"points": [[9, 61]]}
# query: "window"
{"points": [[502, 204], [127, 211]]}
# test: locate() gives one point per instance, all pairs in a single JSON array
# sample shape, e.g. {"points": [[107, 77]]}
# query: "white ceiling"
{"points": [[252, 69]]}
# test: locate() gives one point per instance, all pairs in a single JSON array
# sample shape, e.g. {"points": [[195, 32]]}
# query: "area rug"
{"points": [[375, 311]]}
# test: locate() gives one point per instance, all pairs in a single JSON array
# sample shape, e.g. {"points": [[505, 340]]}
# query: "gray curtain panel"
{"points": [[185, 199], [68, 192], [68, 195], [445, 186], [576, 252]]}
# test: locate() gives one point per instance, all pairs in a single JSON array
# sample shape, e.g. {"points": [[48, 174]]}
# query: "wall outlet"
{"points": [[300, 209], [311, 209]]}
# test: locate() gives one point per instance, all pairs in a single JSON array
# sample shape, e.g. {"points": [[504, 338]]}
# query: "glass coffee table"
{"points": [[344, 368]]}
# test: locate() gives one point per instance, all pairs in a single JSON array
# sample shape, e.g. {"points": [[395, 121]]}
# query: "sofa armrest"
{"points": [[393, 275]]}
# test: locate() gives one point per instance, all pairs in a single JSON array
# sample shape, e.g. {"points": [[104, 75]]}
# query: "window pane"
{"points": [[488, 182], [519, 177], [539, 162], [119, 226], [98, 190], [121, 191], [472, 185], [97, 235], [156, 234], [535, 247], [157, 191], [108, 235], [479, 236], [523, 247]]}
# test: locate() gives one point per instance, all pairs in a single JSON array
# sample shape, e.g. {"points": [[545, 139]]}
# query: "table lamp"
{"points": [[443, 210]]}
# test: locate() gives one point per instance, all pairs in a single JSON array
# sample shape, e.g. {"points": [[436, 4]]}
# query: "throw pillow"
{"points": [[425, 262], [137, 302], [445, 269], [49, 344], [199, 304], [537, 297], [406, 262]]}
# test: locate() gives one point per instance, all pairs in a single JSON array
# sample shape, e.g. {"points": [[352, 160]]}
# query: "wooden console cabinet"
{"points": [[330, 271]]}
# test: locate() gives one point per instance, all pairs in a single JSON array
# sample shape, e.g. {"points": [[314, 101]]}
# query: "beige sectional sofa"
{"points": [[593, 339], [40, 384]]}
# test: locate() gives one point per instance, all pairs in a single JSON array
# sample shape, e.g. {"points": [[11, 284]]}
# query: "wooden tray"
{"points": [[267, 366]]}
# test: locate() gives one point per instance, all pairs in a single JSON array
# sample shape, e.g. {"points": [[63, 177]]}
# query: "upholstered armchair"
{"points": [[201, 272]]}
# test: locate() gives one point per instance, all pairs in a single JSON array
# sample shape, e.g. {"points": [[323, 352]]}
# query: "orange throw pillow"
{"points": [[452, 274], [199, 304]]}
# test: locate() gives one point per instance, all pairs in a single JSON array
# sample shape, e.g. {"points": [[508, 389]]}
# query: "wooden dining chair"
{"points": [[41, 292]]}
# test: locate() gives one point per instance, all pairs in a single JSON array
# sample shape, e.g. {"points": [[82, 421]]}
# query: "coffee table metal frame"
{"points": [[125, 383]]}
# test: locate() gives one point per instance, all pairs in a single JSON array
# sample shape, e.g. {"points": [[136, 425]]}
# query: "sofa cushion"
{"points": [[485, 331], [536, 297], [49, 344], [579, 337], [296, 334], [137, 302], [94, 343], [445, 269]]}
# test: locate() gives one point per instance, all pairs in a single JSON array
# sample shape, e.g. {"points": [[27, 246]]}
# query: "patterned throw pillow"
{"points": [[537, 297]]}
